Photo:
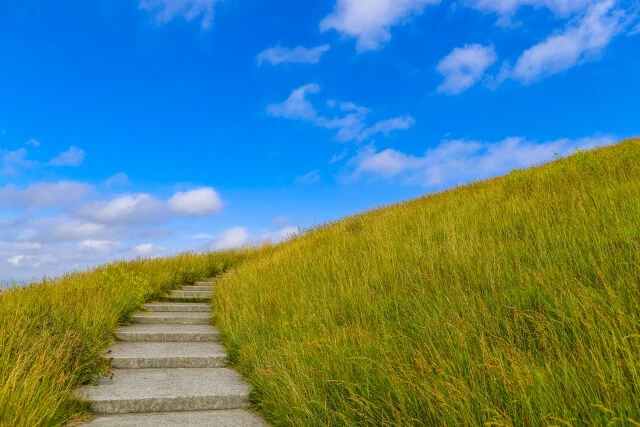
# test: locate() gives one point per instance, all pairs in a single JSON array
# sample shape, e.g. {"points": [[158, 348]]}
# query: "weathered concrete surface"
{"points": [[176, 306], [173, 317], [167, 333], [223, 418], [140, 355], [207, 288], [195, 295], [167, 390]]}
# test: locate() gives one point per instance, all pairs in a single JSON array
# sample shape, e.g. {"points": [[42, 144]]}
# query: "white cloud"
{"points": [[351, 124], [12, 161], [198, 202], [281, 235], [97, 245], [387, 126], [582, 40], [312, 177], [297, 55], [16, 261], [126, 208], [145, 249], [165, 11], [74, 157], [464, 67], [458, 161], [370, 21], [44, 194], [231, 238], [296, 106], [119, 179], [33, 143]]}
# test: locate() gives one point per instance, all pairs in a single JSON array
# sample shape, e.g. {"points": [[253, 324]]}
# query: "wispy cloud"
{"points": [[459, 161], [370, 22], [12, 162], [44, 194], [507, 8], [73, 157], [164, 11], [298, 55], [312, 177], [350, 122], [119, 179], [582, 40], [464, 67]]}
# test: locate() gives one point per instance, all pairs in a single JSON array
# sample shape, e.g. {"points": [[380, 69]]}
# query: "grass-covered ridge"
{"points": [[510, 301], [53, 335]]}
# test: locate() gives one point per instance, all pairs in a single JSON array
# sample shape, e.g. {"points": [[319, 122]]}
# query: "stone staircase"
{"points": [[169, 370]]}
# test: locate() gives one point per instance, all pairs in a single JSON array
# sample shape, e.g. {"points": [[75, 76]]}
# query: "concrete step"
{"points": [[176, 306], [173, 317], [167, 390], [191, 295], [197, 288], [167, 333], [223, 418], [141, 355]]}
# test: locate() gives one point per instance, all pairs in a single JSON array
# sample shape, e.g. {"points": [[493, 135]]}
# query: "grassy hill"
{"points": [[514, 301]]}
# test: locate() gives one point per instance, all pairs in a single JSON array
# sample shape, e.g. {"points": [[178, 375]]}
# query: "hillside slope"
{"points": [[510, 301]]}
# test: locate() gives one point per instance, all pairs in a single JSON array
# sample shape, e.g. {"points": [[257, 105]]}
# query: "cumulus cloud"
{"points": [[350, 123], [64, 229], [43, 194], [145, 249], [198, 202], [459, 161], [97, 245], [164, 11], [370, 21], [297, 55], [139, 208], [231, 238], [582, 40], [464, 67], [123, 209], [281, 235]]}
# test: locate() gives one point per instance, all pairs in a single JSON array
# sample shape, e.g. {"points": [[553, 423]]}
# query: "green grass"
{"points": [[514, 301], [53, 334]]}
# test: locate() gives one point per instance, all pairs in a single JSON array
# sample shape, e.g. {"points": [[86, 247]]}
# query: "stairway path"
{"points": [[169, 370]]}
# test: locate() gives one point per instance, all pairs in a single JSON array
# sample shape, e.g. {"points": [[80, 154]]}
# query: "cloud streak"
{"points": [[298, 55], [350, 120]]}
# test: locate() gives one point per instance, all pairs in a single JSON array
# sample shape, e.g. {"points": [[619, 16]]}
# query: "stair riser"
{"points": [[186, 307], [170, 320], [162, 337], [167, 405], [173, 362]]}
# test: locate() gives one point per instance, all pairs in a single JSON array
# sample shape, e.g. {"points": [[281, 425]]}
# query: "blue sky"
{"points": [[147, 127]]}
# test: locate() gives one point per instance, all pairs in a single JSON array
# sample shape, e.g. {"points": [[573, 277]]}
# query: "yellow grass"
{"points": [[514, 301]]}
